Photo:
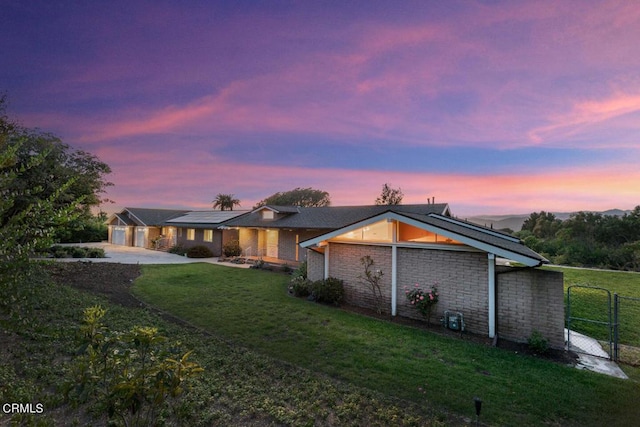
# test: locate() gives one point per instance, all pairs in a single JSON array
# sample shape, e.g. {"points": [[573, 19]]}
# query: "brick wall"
{"points": [[528, 300], [461, 279], [345, 264], [287, 244], [315, 265]]}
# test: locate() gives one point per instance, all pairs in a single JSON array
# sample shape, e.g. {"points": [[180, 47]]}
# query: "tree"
{"points": [[43, 187], [542, 225], [305, 197], [225, 202], [44, 167], [390, 196]]}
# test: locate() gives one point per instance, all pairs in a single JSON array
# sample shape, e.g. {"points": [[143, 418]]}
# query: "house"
{"points": [[141, 227], [487, 280], [472, 267], [202, 228], [274, 232]]}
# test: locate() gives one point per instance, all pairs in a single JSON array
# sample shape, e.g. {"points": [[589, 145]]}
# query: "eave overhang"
{"points": [[429, 223]]}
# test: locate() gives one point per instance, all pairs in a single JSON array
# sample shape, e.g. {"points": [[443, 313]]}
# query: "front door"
{"points": [[272, 243]]}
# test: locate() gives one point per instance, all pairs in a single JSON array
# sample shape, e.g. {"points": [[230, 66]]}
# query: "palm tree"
{"points": [[225, 202]]}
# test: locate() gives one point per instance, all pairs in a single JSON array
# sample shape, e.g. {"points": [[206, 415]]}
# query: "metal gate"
{"points": [[626, 334], [590, 321]]}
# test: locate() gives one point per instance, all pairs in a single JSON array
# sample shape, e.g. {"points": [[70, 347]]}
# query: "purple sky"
{"points": [[492, 106]]}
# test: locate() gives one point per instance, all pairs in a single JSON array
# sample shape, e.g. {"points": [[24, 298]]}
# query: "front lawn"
{"points": [[252, 308], [237, 388]]}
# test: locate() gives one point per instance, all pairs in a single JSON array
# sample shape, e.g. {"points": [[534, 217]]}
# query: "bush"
{"points": [[58, 251], [78, 252], [538, 343], [328, 291], [301, 271], [199, 252], [300, 286], [130, 376], [232, 248], [95, 253], [177, 250]]}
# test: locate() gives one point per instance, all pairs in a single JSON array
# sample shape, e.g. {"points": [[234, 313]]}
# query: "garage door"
{"points": [[118, 236], [141, 234]]}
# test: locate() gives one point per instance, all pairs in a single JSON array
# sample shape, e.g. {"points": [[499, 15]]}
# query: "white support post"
{"points": [[326, 261], [492, 295], [394, 268], [394, 279]]}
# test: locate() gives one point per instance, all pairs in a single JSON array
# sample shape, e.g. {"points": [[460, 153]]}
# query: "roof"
{"points": [[478, 237], [203, 219], [146, 216], [327, 217]]}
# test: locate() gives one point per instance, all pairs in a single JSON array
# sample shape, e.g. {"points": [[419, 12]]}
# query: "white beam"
{"points": [[394, 279], [394, 268], [326, 261], [492, 294]]}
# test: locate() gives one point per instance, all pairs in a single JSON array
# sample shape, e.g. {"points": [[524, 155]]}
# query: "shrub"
{"points": [[422, 300], [61, 253], [371, 279], [232, 248], [130, 376], [301, 271], [328, 291], [259, 265], [199, 252], [58, 251], [538, 343], [78, 252], [95, 253], [177, 250], [300, 286]]}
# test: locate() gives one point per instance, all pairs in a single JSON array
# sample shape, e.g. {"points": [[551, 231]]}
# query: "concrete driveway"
{"points": [[132, 255]]}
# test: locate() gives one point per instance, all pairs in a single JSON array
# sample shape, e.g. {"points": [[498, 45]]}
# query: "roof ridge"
{"points": [[476, 227]]}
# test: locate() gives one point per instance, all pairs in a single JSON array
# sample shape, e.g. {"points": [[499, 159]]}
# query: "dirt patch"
{"points": [[114, 282], [110, 280]]}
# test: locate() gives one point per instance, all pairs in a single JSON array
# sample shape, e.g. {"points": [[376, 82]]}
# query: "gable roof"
{"points": [[327, 217], [146, 216], [203, 219], [478, 237]]}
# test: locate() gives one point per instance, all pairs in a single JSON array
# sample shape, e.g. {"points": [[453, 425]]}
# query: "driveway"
{"points": [[132, 255]]}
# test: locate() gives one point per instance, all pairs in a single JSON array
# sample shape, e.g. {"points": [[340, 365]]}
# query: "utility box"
{"points": [[453, 320]]}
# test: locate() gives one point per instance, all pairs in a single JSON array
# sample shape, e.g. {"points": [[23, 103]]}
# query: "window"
{"points": [[409, 233], [378, 232], [267, 214], [191, 234], [208, 236]]}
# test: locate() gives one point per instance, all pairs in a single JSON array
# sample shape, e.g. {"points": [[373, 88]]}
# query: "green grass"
{"points": [[251, 308], [238, 387]]}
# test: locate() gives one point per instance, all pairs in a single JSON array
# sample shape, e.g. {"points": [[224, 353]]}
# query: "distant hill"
{"points": [[514, 222]]}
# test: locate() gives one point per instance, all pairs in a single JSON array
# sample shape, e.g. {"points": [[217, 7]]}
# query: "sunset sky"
{"points": [[495, 107]]}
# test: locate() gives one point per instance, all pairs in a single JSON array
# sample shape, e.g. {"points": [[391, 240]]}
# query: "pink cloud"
{"points": [[172, 183], [587, 115]]}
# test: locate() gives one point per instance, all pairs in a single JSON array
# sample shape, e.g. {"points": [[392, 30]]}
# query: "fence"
{"points": [[626, 330], [603, 326], [589, 321]]}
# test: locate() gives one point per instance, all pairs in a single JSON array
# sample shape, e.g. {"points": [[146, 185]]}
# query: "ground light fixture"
{"points": [[478, 402]]}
